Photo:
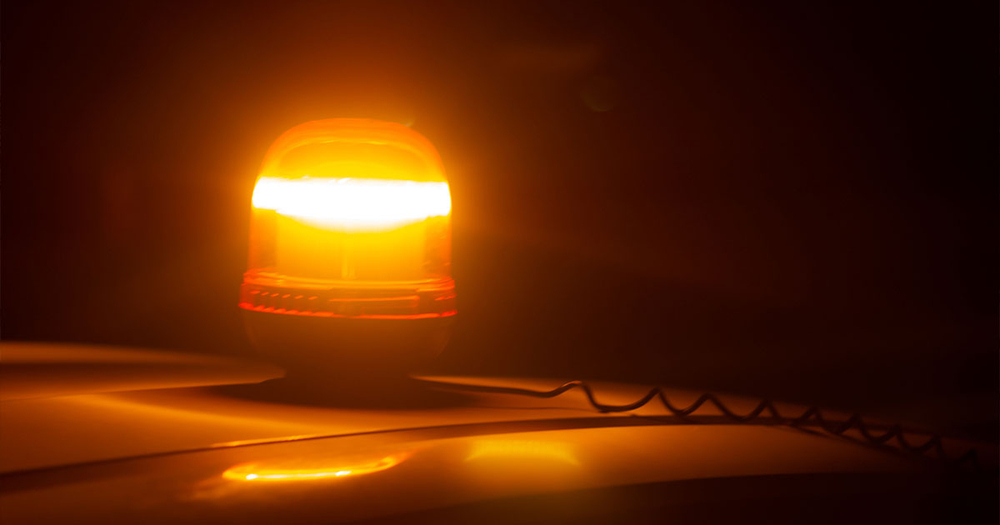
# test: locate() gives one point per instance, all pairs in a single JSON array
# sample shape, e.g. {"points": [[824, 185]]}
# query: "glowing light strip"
{"points": [[256, 473], [351, 204]]}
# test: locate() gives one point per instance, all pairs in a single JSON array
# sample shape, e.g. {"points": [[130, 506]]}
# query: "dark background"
{"points": [[794, 199]]}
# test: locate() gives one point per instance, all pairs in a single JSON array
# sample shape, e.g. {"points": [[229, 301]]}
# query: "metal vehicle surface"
{"points": [[133, 436]]}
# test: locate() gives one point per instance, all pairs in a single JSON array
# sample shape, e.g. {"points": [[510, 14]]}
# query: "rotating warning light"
{"points": [[350, 222]]}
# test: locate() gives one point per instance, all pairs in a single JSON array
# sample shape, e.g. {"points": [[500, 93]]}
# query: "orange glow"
{"points": [[351, 218], [254, 472], [267, 440], [353, 204], [508, 449]]}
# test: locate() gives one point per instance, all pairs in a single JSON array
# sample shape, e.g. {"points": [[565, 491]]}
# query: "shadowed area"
{"points": [[391, 394]]}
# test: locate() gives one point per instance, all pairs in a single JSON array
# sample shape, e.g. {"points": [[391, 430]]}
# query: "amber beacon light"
{"points": [[350, 250]]}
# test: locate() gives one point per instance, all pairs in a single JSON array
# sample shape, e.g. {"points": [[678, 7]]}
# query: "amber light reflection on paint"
{"points": [[256, 472], [517, 449], [353, 204]]}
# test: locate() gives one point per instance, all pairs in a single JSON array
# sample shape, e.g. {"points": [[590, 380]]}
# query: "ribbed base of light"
{"points": [[268, 293]]}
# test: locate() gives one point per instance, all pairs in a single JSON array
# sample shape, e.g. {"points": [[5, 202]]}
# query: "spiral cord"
{"points": [[811, 416]]}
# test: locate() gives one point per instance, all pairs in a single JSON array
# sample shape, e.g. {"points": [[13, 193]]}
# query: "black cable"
{"points": [[811, 413]]}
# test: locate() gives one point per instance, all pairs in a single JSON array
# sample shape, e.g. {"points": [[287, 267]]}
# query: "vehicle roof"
{"points": [[159, 436]]}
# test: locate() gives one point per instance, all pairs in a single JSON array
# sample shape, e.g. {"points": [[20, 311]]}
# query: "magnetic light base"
{"points": [[351, 352]]}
